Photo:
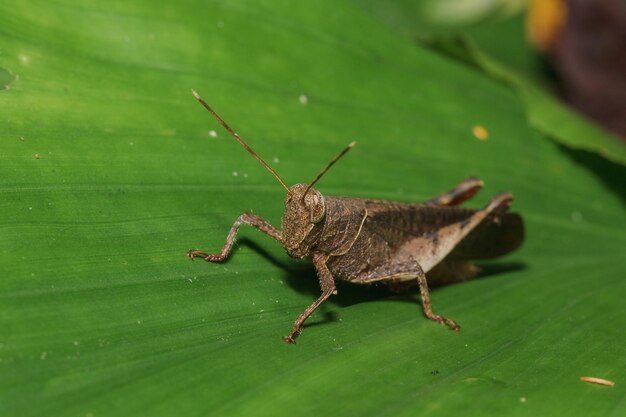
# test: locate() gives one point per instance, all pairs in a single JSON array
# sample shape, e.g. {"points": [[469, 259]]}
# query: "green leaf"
{"points": [[545, 112], [497, 46], [109, 175]]}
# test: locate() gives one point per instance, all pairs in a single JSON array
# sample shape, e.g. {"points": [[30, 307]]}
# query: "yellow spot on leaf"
{"points": [[480, 132]]}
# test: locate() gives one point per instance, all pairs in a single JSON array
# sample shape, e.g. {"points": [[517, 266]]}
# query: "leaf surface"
{"points": [[109, 175]]}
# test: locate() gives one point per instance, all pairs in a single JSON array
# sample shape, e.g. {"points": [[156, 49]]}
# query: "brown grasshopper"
{"points": [[365, 241]]}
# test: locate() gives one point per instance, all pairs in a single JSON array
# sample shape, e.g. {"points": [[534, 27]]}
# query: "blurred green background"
{"points": [[109, 174]]}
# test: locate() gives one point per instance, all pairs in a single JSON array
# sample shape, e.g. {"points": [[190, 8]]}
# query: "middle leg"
{"points": [[403, 272], [328, 288]]}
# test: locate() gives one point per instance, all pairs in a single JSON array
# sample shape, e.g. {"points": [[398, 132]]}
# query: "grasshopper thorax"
{"points": [[303, 211]]}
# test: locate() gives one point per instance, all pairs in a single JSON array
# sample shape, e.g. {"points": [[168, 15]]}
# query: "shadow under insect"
{"points": [[303, 278]]}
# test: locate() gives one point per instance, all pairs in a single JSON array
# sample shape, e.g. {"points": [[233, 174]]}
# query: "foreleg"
{"points": [[246, 218]]}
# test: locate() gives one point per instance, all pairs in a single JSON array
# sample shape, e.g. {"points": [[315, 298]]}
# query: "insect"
{"points": [[367, 241]]}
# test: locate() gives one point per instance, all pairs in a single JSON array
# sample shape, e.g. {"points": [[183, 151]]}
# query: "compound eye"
{"points": [[316, 206]]}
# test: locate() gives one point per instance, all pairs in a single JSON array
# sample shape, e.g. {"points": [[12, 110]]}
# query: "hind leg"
{"points": [[459, 194]]}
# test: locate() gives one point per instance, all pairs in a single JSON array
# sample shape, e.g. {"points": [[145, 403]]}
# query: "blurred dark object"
{"points": [[585, 42]]}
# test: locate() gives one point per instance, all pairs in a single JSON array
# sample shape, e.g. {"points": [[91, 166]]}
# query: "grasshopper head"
{"points": [[304, 205], [303, 211]]}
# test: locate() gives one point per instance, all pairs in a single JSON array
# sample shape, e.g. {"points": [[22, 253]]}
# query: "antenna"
{"points": [[236, 136], [330, 164]]}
